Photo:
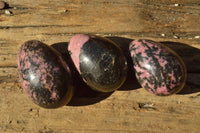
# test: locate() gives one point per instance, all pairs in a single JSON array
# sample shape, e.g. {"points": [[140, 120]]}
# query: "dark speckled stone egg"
{"points": [[158, 68], [100, 62], [44, 76]]}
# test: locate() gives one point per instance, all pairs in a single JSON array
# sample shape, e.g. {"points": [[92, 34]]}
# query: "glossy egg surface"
{"points": [[100, 62], [158, 68], [44, 76]]}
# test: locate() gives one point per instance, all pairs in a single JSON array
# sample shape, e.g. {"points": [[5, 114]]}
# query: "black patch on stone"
{"points": [[100, 64]]}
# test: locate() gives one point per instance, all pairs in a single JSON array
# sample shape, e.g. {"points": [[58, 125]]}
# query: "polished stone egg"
{"points": [[100, 62], [44, 75], [158, 68]]}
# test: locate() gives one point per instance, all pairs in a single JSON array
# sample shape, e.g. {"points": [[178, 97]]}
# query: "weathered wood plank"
{"points": [[123, 111], [175, 23], [47, 21]]}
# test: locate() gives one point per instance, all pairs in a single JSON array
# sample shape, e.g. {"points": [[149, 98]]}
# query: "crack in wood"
{"points": [[38, 26]]}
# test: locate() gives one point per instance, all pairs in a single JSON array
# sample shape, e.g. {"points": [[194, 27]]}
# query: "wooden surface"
{"points": [[176, 23]]}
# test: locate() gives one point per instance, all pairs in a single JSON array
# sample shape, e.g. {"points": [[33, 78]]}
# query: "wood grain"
{"points": [[175, 23]]}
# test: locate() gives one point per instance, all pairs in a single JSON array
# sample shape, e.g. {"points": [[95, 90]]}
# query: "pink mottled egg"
{"points": [[100, 62], [44, 75], [158, 68]]}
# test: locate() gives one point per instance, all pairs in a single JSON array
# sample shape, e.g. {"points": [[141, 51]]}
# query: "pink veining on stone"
{"points": [[25, 86], [32, 95], [40, 71], [27, 63], [54, 95], [36, 59], [162, 62], [152, 62], [162, 90], [43, 65], [138, 49], [56, 69], [76, 42]]}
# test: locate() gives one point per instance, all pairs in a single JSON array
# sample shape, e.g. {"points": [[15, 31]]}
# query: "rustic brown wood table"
{"points": [[175, 23]]}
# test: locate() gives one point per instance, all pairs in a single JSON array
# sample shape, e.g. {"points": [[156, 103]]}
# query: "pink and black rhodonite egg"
{"points": [[44, 75], [158, 69], [100, 62]]}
